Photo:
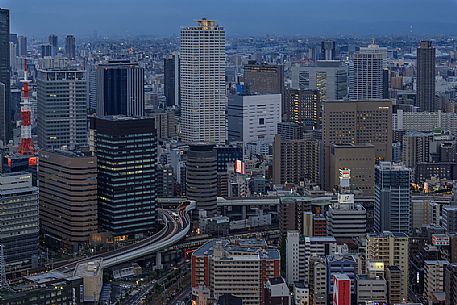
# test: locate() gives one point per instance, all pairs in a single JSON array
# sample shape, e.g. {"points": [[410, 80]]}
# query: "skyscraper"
{"points": [[19, 217], [54, 42], [366, 73], [70, 47], [62, 108], [126, 150], [5, 115], [171, 79], [120, 88], [263, 78], [392, 198], [328, 50], [202, 75], [68, 198], [425, 98], [330, 77], [356, 122], [22, 46]]}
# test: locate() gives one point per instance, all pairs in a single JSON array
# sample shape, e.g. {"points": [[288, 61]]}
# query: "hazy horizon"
{"points": [[239, 17]]}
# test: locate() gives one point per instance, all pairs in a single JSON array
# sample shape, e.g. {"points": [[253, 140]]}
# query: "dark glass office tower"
{"points": [[70, 47], [171, 79], [5, 116], [54, 42], [126, 150], [120, 88], [426, 77], [328, 50]]}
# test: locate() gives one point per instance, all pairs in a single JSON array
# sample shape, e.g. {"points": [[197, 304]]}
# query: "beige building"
{"points": [[356, 122], [360, 159], [434, 278], [392, 250], [68, 197]]}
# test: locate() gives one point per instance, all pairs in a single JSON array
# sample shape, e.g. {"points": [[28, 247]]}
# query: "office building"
{"points": [[337, 265], [346, 219], [202, 80], [263, 78], [329, 77], [171, 79], [328, 50], [70, 47], [392, 198], [126, 150], [120, 88], [425, 99], [356, 122], [62, 108], [366, 73], [359, 159], [241, 268], [201, 177], [22, 46], [450, 284], [303, 107], [392, 250], [296, 160], [68, 198], [19, 219], [13, 58], [253, 118], [5, 97], [370, 288], [54, 42], [291, 131], [434, 278]]}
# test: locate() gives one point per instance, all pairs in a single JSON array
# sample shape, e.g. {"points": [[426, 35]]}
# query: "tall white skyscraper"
{"points": [[366, 73], [203, 93]]}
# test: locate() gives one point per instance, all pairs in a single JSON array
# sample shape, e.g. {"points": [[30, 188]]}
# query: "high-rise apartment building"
{"points": [[426, 77], [356, 122], [434, 278], [171, 79], [19, 218], [68, 198], [328, 50], [392, 250], [126, 150], [201, 177], [120, 88], [392, 198], [303, 107], [366, 73], [62, 108], [202, 80], [329, 77], [296, 160], [5, 99], [70, 47], [241, 268]]}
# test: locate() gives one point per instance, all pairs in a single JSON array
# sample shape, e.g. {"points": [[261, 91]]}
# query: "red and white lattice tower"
{"points": [[26, 146]]}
